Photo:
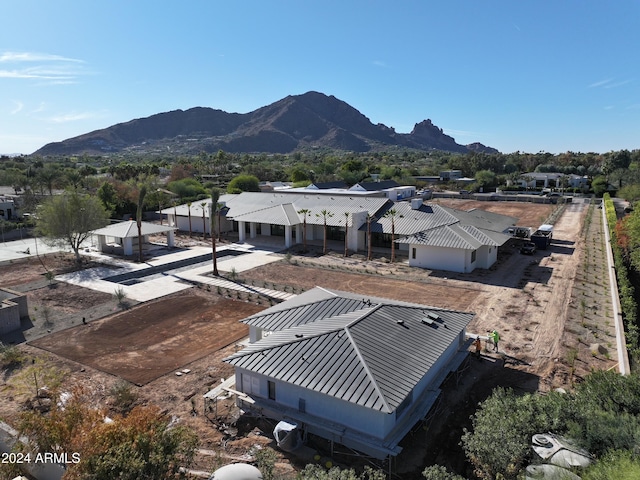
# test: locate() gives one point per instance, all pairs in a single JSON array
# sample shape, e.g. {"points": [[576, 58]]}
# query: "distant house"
{"points": [[8, 210], [273, 186], [448, 175], [360, 371], [327, 185], [375, 186], [537, 180]]}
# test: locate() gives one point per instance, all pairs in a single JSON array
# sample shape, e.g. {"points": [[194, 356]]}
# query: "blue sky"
{"points": [[525, 75]]}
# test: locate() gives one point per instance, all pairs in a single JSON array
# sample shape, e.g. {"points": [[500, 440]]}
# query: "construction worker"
{"points": [[478, 345], [496, 338]]}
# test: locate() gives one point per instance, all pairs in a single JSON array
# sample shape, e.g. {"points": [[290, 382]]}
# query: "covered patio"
{"points": [[122, 238]]}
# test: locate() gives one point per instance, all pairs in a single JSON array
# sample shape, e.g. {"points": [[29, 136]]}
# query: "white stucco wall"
{"points": [[486, 256], [438, 258], [356, 240], [196, 224], [452, 259], [362, 419]]}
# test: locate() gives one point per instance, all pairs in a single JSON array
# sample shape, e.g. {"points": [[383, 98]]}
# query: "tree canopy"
{"points": [[141, 445], [602, 415], [68, 219], [244, 183]]}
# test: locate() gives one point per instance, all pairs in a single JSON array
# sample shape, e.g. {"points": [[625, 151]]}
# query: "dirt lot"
{"points": [[549, 308], [153, 339]]}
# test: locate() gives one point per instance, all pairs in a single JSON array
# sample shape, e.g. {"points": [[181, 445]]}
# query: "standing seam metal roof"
{"points": [[373, 356], [450, 236], [252, 202], [301, 315]]}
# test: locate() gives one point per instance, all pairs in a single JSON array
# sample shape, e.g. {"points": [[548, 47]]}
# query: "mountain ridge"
{"points": [[296, 122]]}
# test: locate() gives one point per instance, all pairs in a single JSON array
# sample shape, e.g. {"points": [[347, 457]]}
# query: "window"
{"points": [[277, 230], [413, 253], [272, 390], [473, 256], [302, 405]]}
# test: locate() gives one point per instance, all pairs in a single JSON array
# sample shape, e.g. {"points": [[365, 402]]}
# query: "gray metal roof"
{"points": [[196, 207], [129, 229], [372, 356], [248, 205], [303, 314], [283, 214], [408, 221], [483, 219], [450, 236], [497, 238]]}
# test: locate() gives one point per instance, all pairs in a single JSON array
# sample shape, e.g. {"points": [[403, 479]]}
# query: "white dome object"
{"points": [[237, 471]]}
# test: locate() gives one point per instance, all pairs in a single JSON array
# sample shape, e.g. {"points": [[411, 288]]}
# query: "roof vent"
{"points": [[400, 321], [434, 316], [427, 321], [299, 335]]}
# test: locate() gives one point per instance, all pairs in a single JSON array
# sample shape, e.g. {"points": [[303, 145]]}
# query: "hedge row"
{"points": [[625, 288]]}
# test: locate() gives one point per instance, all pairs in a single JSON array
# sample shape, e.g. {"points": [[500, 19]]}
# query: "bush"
{"points": [[124, 396], [621, 465], [438, 472], [10, 356]]}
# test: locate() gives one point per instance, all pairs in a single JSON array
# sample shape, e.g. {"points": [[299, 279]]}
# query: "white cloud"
{"points": [[600, 83], [461, 133], [15, 57], [40, 108], [73, 117], [19, 106], [380, 63], [609, 83], [52, 68]]}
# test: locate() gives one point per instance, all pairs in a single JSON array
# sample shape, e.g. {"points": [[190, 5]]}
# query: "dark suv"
{"points": [[528, 248]]}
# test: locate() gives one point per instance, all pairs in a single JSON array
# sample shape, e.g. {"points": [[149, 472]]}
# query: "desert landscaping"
{"points": [[552, 309]]}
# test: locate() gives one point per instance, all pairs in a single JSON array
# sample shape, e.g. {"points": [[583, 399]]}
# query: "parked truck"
{"points": [[542, 236]]}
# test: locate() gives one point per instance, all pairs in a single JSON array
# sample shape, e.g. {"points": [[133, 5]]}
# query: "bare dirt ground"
{"points": [[549, 308], [154, 339]]}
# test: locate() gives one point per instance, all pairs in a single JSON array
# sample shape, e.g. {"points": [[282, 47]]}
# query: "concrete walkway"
{"points": [[166, 283], [28, 247]]}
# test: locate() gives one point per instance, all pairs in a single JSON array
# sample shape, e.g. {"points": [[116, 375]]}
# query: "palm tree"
{"points": [[204, 222], [324, 214], [392, 214], [141, 195], [215, 196], [305, 212], [346, 232], [189, 210]]}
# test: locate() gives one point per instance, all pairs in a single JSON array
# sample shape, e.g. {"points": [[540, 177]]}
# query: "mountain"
{"points": [[310, 120]]}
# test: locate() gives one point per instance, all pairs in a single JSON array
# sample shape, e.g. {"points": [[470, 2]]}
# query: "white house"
{"points": [[553, 180], [359, 371], [8, 210], [349, 217], [442, 238]]}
